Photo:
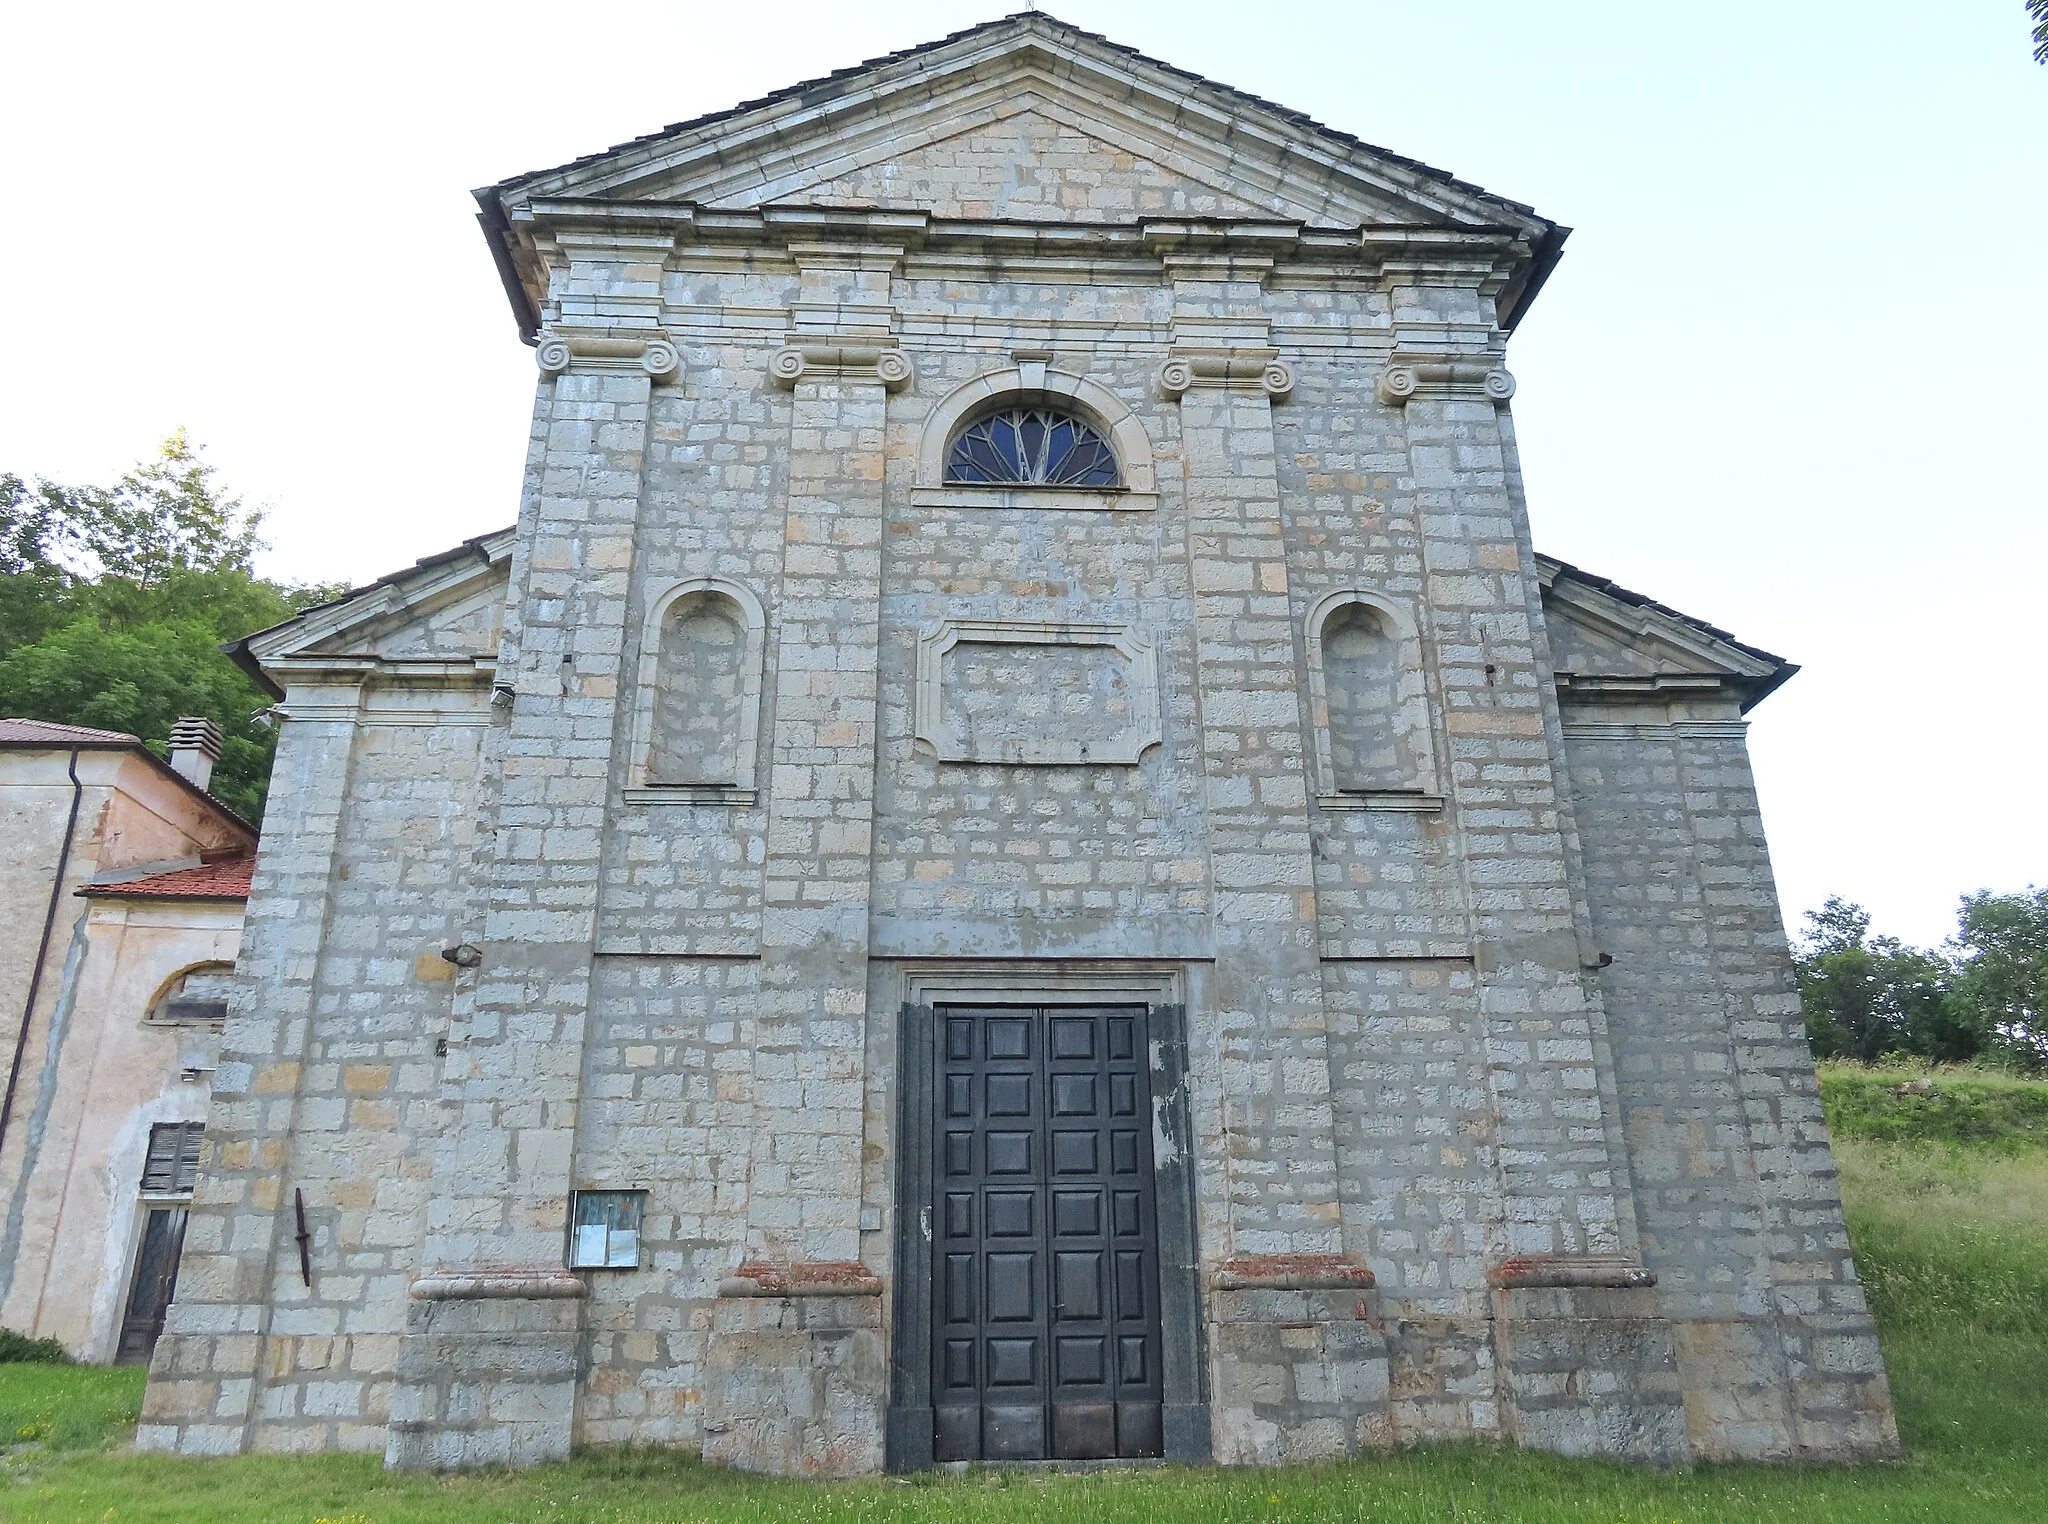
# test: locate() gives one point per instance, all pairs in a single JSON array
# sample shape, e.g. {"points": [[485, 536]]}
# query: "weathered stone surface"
{"points": [[1486, 1085]]}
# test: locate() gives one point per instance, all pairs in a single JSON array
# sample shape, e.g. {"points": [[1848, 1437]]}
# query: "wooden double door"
{"points": [[1045, 1244]]}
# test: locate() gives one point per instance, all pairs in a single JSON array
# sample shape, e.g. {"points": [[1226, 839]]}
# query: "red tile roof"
{"points": [[46, 733], [227, 879]]}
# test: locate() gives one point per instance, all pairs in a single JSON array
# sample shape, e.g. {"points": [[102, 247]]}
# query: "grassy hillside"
{"points": [[1947, 1197], [1948, 1205]]}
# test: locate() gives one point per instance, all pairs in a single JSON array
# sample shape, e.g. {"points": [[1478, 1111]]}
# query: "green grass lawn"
{"points": [[1948, 1202]]}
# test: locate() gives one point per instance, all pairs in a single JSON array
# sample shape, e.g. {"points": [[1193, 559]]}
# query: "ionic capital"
{"points": [[1240, 369], [1473, 377], [817, 360], [560, 351]]}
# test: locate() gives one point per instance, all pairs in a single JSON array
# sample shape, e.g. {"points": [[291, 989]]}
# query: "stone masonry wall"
{"points": [[1736, 1191], [1399, 1053]]}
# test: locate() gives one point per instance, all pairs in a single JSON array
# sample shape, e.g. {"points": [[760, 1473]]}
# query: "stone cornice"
{"points": [[1411, 374], [548, 234], [1291, 1272], [1421, 246]]}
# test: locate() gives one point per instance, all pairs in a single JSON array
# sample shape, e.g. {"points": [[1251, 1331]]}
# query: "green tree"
{"points": [[119, 598], [1865, 997], [2001, 945], [2037, 12], [34, 581]]}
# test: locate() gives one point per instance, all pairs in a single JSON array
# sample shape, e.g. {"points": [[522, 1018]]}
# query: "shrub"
{"points": [[20, 1349]]}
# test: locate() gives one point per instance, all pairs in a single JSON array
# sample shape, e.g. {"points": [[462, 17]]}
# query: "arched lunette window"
{"points": [[197, 997], [1031, 436], [1370, 704], [1031, 447], [700, 695]]}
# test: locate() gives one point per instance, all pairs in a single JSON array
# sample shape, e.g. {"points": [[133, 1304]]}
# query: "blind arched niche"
{"points": [[1370, 705], [700, 695]]}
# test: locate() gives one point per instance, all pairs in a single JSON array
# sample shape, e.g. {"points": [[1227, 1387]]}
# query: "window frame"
{"points": [[1031, 382], [161, 1001], [637, 1198]]}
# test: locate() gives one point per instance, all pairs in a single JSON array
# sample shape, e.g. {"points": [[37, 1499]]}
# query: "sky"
{"points": [[1789, 377]]}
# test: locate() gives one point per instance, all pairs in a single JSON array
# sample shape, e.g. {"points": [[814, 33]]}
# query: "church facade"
{"points": [[1017, 857]]}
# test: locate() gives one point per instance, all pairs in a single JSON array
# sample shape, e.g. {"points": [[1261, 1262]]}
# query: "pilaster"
{"points": [[1270, 1029], [207, 1368], [804, 1194], [1568, 1217], [488, 1367]]}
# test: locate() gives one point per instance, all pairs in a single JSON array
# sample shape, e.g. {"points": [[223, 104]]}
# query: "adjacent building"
{"points": [[1017, 857], [121, 919]]}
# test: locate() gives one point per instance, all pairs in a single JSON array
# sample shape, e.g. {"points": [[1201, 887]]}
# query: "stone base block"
{"points": [[1442, 1383], [1299, 1376], [485, 1381], [1841, 1400], [1737, 1401], [197, 1401], [1590, 1371], [1791, 1388], [796, 1385]]}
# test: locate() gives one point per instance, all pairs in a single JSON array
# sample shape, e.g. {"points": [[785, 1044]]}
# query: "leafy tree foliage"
{"points": [[115, 602], [1979, 996], [2002, 970], [2037, 11]]}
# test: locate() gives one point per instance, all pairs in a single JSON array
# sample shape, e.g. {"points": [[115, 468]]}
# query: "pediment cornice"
{"points": [[734, 176], [1689, 653], [340, 637]]}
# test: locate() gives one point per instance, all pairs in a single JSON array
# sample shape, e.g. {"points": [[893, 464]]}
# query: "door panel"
{"points": [[156, 1279], [1046, 1331]]}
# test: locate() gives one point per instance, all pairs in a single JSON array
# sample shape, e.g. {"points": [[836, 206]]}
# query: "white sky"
{"points": [[1788, 378]]}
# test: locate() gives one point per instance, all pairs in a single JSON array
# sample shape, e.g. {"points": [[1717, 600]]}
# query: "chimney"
{"points": [[195, 747]]}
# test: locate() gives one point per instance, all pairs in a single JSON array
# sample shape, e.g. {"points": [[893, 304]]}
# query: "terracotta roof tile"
{"points": [[46, 733], [227, 879]]}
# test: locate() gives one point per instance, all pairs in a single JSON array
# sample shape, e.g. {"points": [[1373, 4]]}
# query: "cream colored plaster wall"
{"points": [[92, 1077], [119, 1076]]}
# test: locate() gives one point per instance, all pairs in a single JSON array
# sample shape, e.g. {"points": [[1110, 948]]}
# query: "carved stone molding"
{"points": [[1473, 377], [1606, 1271], [492, 1284], [1291, 1272], [1138, 728], [1243, 369], [860, 362], [830, 1277], [559, 352]]}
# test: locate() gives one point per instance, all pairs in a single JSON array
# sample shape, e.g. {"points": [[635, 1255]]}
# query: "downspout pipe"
{"points": [[35, 978]]}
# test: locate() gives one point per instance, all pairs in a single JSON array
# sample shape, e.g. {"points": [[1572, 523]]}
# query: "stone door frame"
{"points": [[1184, 1357]]}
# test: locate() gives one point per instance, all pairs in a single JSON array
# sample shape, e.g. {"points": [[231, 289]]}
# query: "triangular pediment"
{"points": [[445, 610], [1023, 118], [1601, 633], [1034, 162]]}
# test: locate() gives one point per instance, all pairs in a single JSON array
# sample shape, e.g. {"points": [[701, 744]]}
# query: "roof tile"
{"points": [[227, 879], [14, 732]]}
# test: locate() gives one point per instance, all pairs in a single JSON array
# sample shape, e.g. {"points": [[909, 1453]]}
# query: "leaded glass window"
{"points": [[1031, 447]]}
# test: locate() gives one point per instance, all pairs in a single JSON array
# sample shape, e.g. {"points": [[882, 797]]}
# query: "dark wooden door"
{"points": [[156, 1278], [1045, 1306]]}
